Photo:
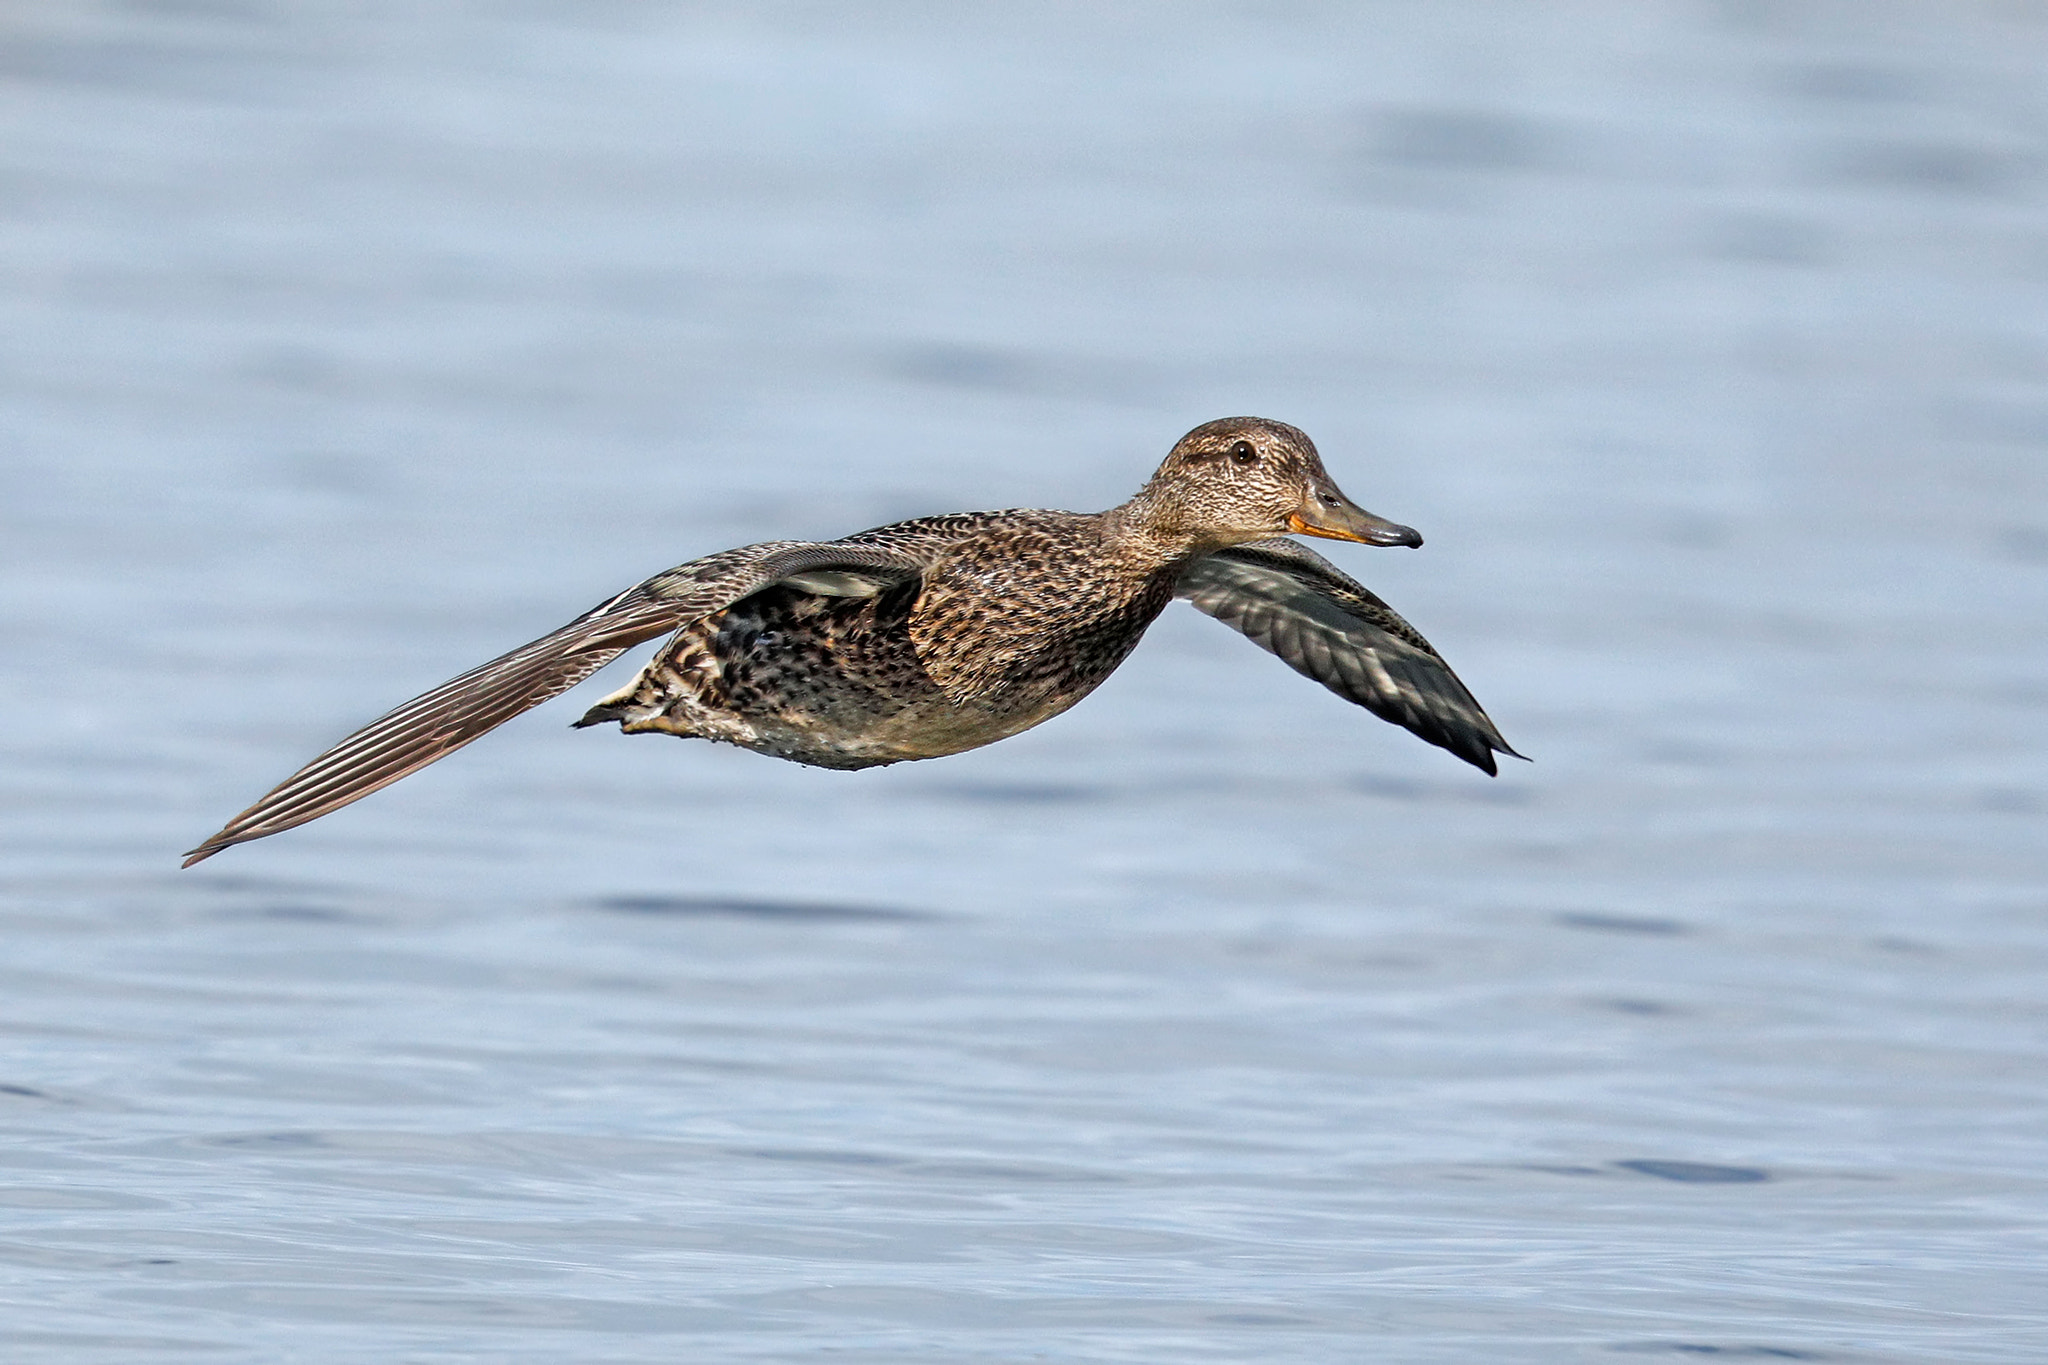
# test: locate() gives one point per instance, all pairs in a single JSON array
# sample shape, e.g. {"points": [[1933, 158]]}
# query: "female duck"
{"points": [[932, 636]]}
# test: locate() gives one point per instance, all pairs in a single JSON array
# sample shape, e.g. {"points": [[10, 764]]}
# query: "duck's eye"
{"points": [[1243, 453]]}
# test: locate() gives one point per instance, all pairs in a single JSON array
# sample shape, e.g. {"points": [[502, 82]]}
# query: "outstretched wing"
{"points": [[437, 723], [1290, 601]]}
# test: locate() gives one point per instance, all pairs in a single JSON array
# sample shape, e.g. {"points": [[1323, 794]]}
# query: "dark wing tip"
{"points": [[1480, 755], [226, 839]]}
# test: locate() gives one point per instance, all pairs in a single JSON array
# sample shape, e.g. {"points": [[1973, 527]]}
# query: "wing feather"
{"points": [[438, 722], [1325, 625]]}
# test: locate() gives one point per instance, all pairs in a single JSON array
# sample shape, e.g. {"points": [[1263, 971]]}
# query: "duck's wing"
{"points": [[1289, 600], [437, 723]]}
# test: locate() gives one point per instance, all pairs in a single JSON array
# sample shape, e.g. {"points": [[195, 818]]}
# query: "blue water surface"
{"points": [[344, 346]]}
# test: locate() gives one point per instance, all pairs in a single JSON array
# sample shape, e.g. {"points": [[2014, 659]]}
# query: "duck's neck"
{"points": [[1150, 534]]}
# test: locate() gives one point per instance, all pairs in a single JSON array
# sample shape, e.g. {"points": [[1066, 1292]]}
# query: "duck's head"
{"points": [[1245, 478]]}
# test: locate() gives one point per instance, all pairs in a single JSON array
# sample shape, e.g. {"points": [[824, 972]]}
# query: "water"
{"points": [[345, 346]]}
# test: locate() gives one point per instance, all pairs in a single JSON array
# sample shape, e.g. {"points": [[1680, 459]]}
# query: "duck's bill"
{"points": [[1344, 520]]}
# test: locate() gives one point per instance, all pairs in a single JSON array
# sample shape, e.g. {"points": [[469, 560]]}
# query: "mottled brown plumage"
{"points": [[932, 636]]}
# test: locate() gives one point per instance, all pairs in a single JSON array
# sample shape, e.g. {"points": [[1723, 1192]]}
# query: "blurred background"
{"points": [[343, 346]]}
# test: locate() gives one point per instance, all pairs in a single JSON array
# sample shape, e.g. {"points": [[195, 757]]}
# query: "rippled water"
{"points": [[345, 346]]}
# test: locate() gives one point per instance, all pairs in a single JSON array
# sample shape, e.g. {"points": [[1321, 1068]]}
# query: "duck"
{"points": [[933, 636]]}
